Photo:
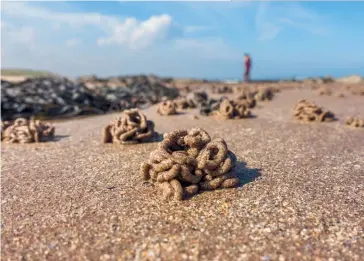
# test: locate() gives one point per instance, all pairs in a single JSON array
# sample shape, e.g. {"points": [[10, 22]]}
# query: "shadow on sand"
{"points": [[58, 138], [157, 137], [245, 174], [252, 116], [179, 112]]}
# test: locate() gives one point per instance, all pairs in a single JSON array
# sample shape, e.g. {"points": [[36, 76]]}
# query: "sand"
{"points": [[302, 196], [13, 79]]}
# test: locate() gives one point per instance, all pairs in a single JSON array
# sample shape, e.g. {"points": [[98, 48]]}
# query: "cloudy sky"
{"points": [[184, 39]]}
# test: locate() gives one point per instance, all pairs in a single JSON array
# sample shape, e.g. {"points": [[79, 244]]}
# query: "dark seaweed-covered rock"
{"points": [[54, 97], [265, 94], [198, 97], [209, 106], [49, 97], [222, 89]]}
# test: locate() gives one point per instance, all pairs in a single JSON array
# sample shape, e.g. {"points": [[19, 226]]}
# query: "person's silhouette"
{"points": [[247, 65]]}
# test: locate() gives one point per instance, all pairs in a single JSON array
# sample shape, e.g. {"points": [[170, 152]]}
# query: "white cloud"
{"points": [[129, 31], [26, 10], [25, 34], [18, 34], [77, 43], [137, 34], [155, 28]]}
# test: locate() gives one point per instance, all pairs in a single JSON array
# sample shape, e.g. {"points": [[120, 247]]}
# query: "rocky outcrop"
{"points": [[49, 97], [53, 97]]}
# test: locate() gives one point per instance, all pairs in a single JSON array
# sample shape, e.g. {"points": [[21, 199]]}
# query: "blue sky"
{"points": [[184, 39]]}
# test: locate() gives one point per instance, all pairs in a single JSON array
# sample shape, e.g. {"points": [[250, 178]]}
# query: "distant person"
{"points": [[247, 65]]}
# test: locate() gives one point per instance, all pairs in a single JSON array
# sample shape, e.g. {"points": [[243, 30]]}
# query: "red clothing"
{"points": [[247, 63]]}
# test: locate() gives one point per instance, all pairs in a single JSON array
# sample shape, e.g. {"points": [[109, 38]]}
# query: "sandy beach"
{"points": [[301, 198]]}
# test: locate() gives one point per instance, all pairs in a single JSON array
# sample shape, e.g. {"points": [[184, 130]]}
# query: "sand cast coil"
{"points": [[308, 111], [26, 131], [133, 127], [188, 161], [354, 122], [234, 109], [167, 108]]}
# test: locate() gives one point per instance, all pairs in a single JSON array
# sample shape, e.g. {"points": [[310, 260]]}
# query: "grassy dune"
{"points": [[25, 73], [19, 75]]}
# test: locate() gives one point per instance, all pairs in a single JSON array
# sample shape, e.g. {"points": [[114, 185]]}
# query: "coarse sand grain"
{"points": [[302, 196]]}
